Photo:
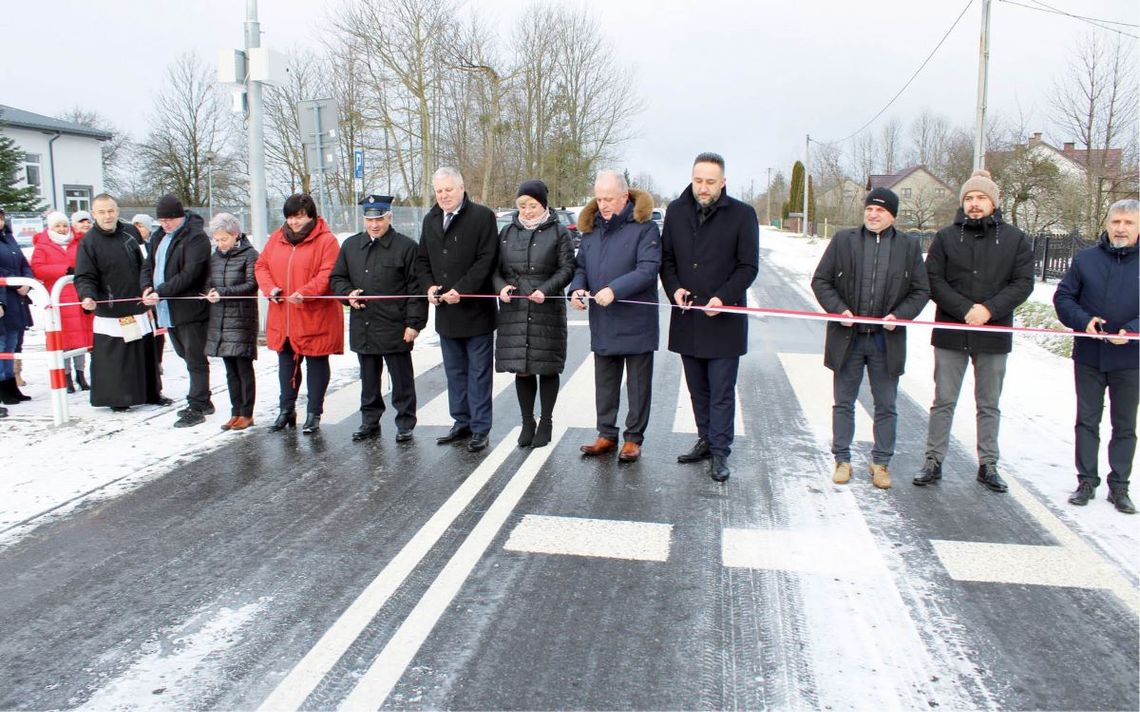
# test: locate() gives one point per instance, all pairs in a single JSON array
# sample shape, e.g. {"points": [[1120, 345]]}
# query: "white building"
{"points": [[64, 161]]}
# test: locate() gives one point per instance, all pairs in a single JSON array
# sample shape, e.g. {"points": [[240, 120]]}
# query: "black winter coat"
{"points": [[111, 266], [187, 269], [385, 266], [1102, 281], [233, 328], [985, 262], [462, 260], [532, 337], [719, 258], [839, 278]]}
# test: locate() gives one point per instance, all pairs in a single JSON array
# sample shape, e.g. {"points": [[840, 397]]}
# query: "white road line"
{"points": [[437, 412], [603, 538], [292, 691], [345, 402], [389, 666], [850, 552], [1019, 564], [811, 382], [575, 408], [685, 422]]}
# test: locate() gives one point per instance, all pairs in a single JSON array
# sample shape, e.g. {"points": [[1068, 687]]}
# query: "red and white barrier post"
{"points": [[54, 341]]}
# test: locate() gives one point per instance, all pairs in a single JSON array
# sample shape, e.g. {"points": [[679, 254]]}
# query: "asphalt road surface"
{"points": [[285, 571]]}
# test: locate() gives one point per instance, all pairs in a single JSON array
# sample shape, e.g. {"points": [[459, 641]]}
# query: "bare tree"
{"points": [[284, 155], [890, 145], [114, 151], [187, 122], [1095, 102]]}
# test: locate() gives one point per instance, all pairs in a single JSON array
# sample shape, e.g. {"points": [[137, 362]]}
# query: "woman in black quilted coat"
{"points": [[232, 332], [536, 262]]}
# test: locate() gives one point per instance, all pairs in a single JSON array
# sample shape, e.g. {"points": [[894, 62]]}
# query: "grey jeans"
{"points": [[989, 375]]}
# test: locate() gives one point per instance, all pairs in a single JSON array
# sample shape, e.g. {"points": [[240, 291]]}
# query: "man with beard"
{"points": [[710, 253], [980, 270], [110, 269], [1099, 296]]}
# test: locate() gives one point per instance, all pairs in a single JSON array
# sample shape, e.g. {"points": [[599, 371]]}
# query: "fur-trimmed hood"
{"points": [[642, 210]]}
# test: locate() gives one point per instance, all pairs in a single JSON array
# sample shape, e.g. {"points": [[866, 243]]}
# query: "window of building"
{"points": [[941, 192], [32, 170], [906, 192], [76, 197]]}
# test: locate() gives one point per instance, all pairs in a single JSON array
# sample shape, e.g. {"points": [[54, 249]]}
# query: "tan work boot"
{"points": [[880, 476], [842, 473]]}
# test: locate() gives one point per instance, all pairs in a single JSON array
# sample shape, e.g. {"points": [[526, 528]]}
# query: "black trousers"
{"points": [[289, 377], [1123, 391], [403, 388], [189, 341], [638, 369], [712, 390], [239, 379]]}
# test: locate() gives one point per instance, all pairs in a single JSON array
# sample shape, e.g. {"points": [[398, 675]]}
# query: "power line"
{"points": [[912, 77], [1094, 21]]}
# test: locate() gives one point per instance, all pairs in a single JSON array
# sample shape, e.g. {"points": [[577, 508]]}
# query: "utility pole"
{"points": [[983, 87], [807, 157], [258, 220], [768, 195]]}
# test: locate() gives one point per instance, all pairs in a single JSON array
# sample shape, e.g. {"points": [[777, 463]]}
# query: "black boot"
{"points": [[70, 384], [526, 437], [3, 412], [18, 393], [7, 392], [285, 419], [1118, 497], [81, 381], [542, 434], [312, 424], [988, 476], [1085, 492], [930, 473]]}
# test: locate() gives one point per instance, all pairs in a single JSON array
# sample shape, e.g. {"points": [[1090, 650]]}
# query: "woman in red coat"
{"points": [[293, 268], [53, 257]]}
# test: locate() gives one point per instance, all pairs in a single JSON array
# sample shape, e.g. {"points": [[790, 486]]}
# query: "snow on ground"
{"points": [[1038, 411]]}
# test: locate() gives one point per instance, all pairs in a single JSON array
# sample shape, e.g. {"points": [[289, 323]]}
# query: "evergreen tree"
{"points": [[13, 198], [796, 191], [811, 200]]}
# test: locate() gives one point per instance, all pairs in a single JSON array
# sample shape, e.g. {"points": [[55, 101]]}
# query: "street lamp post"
{"points": [[210, 156], [768, 195]]}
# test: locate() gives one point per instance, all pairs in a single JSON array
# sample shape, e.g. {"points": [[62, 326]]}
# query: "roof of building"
{"points": [[18, 118], [1110, 160], [889, 181]]}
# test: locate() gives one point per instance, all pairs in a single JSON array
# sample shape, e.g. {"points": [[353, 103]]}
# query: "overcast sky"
{"points": [[746, 78]]}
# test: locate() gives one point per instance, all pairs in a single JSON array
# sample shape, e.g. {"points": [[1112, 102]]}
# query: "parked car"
{"points": [[567, 218], [658, 216], [504, 218]]}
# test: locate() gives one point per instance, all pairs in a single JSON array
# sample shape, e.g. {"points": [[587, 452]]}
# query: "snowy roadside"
{"points": [[100, 455], [1038, 408]]}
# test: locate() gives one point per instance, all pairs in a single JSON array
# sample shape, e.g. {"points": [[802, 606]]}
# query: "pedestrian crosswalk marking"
{"points": [[685, 422], [602, 538], [830, 552], [1019, 564], [437, 412], [812, 385]]}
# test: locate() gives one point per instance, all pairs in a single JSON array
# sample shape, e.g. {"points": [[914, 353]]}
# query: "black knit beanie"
{"points": [[885, 198], [535, 189], [169, 207]]}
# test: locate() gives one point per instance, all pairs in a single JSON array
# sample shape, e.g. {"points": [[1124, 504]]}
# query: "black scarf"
{"points": [[296, 238]]}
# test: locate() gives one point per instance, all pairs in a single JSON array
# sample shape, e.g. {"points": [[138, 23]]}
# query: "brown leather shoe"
{"points": [[629, 452], [599, 446], [230, 423], [241, 423]]}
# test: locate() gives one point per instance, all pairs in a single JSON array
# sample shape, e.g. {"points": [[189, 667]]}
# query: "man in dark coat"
{"points": [[619, 259], [980, 270], [381, 262], [710, 254], [110, 266], [458, 251], [1100, 294], [179, 258], [873, 271]]}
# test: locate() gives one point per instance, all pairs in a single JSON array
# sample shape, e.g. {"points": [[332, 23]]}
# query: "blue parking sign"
{"points": [[358, 163]]}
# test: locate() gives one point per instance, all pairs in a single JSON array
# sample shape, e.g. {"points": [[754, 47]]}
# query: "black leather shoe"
{"points": [[403, 436], [285, 419], [164, 401], [312, 424], [930, 473], [457, 432], [988, 476], [718, 468], [699, 452], [1085, 492], [365, 432], [120, 408], [1119, 498], [207, 409], [70, 384], [81, 381], [478, 441]]}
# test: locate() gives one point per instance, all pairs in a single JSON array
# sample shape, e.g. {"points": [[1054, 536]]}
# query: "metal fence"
{"points": [[1052, 253]]}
